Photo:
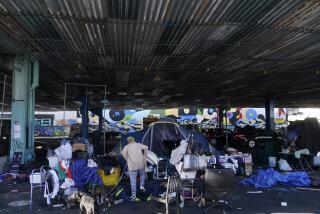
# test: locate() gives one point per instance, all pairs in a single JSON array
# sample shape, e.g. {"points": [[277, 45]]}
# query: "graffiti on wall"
{"points": [[235, 116], [180, 114], [17, 145], [51, 131], [254, 117]]}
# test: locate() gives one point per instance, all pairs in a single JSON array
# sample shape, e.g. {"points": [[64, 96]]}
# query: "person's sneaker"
{"points": [[134, 198], [142, 189]]}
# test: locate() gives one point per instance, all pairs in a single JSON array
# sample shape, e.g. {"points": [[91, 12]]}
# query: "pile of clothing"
{"points": [[75, 167]]}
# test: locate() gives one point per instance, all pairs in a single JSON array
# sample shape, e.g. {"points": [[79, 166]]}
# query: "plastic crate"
{"points": [[36, 178]]}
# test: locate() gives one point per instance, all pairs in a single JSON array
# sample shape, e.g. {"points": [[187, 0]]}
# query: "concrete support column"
{"points": [[25, 81], [269, 106], [85, 117]]}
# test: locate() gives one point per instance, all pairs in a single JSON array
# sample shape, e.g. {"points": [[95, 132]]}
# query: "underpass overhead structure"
{"points": [[165, 53]]}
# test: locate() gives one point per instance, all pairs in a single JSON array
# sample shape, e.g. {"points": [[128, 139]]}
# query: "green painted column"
{"points": [[25, 81]]}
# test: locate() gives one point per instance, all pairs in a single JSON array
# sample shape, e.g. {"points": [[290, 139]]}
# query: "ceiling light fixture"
{"points": [[105, 102], [122, 93]]}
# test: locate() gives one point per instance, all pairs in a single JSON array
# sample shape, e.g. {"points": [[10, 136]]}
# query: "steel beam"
{"points": [[85, 118]]}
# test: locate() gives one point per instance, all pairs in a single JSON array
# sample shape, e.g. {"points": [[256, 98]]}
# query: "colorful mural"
{"points": [[235, 116], [254, 117], [197, 115], [51, 131]]}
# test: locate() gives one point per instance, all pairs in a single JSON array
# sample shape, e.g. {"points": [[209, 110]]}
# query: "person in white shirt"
{"points": [[135, 155]]}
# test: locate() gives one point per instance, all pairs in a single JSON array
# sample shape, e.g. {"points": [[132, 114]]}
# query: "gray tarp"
{"points": [[161, 132]]}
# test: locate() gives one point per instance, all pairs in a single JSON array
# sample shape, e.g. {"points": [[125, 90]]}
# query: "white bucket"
{"points": [[272, 161]]}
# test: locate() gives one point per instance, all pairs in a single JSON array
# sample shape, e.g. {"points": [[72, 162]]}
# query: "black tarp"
{"points": [[308, 134], [161, 135]]}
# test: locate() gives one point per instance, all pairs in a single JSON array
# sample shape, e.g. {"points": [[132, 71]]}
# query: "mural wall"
{"points": [[51, 131], [235, 116], [182, 115], [254, 117]]}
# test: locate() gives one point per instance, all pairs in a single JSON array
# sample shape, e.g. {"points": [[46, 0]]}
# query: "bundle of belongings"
{"points": [[188, 158], [269, 177], [72, 165]]}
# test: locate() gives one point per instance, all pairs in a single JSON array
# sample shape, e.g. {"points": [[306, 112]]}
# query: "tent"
{"points": [[123, 140], [162, 136], [165, 135], [308, 132], [200, 139]]}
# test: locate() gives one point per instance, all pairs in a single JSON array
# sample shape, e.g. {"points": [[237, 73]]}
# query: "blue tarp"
{"points": [[83, 175], [269, 177]]}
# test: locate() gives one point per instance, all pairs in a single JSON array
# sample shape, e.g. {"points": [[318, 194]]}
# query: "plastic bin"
{"points": [[272, 161], [316, 160], [248, 169]]}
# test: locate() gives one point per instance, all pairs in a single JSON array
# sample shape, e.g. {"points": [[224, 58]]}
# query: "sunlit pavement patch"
{"points": [[20, 203]]}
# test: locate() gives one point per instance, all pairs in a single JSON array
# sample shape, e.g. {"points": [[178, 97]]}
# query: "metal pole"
{"points": [[64, 107], [226, 128], [104, 120], [2, 105], [64, 101]]}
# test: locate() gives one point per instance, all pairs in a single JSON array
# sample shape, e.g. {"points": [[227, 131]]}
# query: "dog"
{"points": [[86, 202]]}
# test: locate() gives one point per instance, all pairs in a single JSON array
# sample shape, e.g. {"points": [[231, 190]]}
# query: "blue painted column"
{"points": [[85, 118], [220, 116], [269, 106], [99, 113], [24, 83], [100, 119]]}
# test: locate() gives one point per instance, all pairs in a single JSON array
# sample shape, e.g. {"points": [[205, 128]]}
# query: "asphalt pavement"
{"points": [[14, 198]]}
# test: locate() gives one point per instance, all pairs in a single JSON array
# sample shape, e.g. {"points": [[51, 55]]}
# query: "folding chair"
{"points": [[304, 162], [38, 178], [172, 194]]}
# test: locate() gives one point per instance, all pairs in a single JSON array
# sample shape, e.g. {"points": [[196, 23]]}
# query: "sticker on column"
{"points": [[16, 130]]}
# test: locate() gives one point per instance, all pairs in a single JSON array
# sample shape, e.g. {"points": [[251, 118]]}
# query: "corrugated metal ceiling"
{"points": [[241, 50]]}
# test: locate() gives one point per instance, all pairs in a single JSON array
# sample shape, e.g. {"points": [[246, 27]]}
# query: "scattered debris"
{"points": [[118, 201], [255, 192], [14, 190], [306, 188], [20, 203], [57, 205]]}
